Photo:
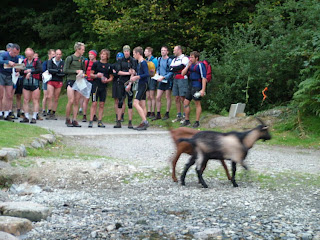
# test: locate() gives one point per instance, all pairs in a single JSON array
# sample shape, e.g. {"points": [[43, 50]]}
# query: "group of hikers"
{"points": [[142, 79]]}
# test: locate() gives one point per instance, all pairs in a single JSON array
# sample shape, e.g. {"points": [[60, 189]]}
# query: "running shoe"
{"points": [[75, 123], [100, 124], [33, 121]]}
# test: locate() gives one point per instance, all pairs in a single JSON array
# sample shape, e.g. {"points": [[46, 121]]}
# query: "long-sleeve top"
{"points": [[56, 70], [164, 68], [4, 59], [72, 64], [143, 72], [124, 65]]}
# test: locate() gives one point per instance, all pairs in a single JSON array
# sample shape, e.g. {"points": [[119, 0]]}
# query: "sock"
{"points": [[80, 109], [53, 112], [49, 111], [187, 121], [122, 115], [26, 115], [34, 115], [130, 121], [167, 113], [158, 113], [10, 112], [146, 121], [117, 116], [6, 113]]}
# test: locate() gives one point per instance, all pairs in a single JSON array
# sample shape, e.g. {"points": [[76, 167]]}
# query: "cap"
{"points": [[126, 48], [94, 52], [119, 56]]}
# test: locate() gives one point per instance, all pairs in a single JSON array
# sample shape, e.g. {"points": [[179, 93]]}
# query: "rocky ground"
{"points": [[117, 185]]}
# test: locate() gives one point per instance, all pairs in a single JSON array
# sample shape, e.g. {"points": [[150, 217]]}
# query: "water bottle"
{"points": [[197, 94], [129, 92]]}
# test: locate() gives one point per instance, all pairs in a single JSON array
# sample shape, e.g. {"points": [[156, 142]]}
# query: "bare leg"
{"points": [[168, 97], [77, 96], [198, 110], [70, 94], [36, 100], [158, 99], [101, 107]]}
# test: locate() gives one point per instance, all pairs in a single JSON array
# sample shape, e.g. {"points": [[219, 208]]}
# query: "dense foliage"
{"points": [[251, 44]]}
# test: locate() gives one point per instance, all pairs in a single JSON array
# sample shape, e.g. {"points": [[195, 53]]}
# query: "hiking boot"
{"points": [[44, 113], [51, 116], [152, 115], [33, 121], [24, 120], [196, 125], [54, 116], [178, 119], [185, 123], [8, 118], [75, 123], [39, 118], [69, 123], [100, 124], [84, 119], [165, 117], [11, 114], [130, 125], [90, 124], [156, 117], [118, 124], [142, 126], [22, 115], [148, 114]]}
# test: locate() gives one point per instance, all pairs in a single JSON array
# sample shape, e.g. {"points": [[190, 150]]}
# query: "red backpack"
{"points": [[34, 64], [208, 69]]}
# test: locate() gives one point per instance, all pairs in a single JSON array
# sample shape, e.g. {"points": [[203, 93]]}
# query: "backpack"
{"points": [[151, 67], [208, 69], [34, 64]]}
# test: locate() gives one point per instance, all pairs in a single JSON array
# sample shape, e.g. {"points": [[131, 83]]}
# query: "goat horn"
{"points": [[260, 121]]}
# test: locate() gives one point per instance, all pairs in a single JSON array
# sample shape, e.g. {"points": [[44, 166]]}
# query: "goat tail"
{"points": [[188, 140]]}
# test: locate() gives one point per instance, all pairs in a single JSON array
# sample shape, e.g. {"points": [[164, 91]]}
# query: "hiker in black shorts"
{"points": [[119, 57], [101, 73], [31, 84], [125, 68]]}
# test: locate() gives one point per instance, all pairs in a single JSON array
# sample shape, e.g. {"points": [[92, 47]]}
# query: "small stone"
{"points": [[23, 151], [49, 137], [111, 228], [7, 236], [14, 225], [36, 144]]}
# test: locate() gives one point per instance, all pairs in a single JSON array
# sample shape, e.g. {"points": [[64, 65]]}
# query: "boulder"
{"points": [[32, 211], [37, 144], [14, 225], [49, 137], [23, 150], [7, 236]]}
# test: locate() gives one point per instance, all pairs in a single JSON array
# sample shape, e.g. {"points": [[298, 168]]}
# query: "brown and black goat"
{"points": [[185, 147], [232, 146]]}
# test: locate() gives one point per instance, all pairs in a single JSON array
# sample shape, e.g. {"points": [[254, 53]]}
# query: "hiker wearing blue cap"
{"points": [[115, 81]]}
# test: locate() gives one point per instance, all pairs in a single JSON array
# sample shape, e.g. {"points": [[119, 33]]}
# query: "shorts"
{"points": [[70, 83], [191, 92], [98, 94], [165, 86], [44, 86], [6, 80], [30, 88], [19, 86], [141, 93], [180, 87], [55, 84], [152, 84]]}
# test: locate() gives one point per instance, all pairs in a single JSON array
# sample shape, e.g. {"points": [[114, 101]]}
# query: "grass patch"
{"points": [[267, 180], [14, 134]]}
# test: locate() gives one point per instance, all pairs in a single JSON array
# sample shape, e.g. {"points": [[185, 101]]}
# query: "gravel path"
{"points": [[128, 192]]}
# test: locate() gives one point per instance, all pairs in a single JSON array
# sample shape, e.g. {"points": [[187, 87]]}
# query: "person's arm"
{"points": [[2, 60], [51, 70], [38, 68], [145, 72], [203, 74]]}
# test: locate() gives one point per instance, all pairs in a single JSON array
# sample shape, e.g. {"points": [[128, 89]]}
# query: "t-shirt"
{"points": [[124, 65], [105, 68], [196, 73], [143, 72], [72, 64], [164, 68]]}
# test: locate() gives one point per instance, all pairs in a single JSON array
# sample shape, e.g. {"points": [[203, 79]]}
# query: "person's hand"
{"points": [[99, 75], [104, 79], [202, 92], [28, 75], [11, 64], [79, 71], [134, 78], [17, 74], [27, 71], [128, 88], [132, 71], [160, 79]]}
